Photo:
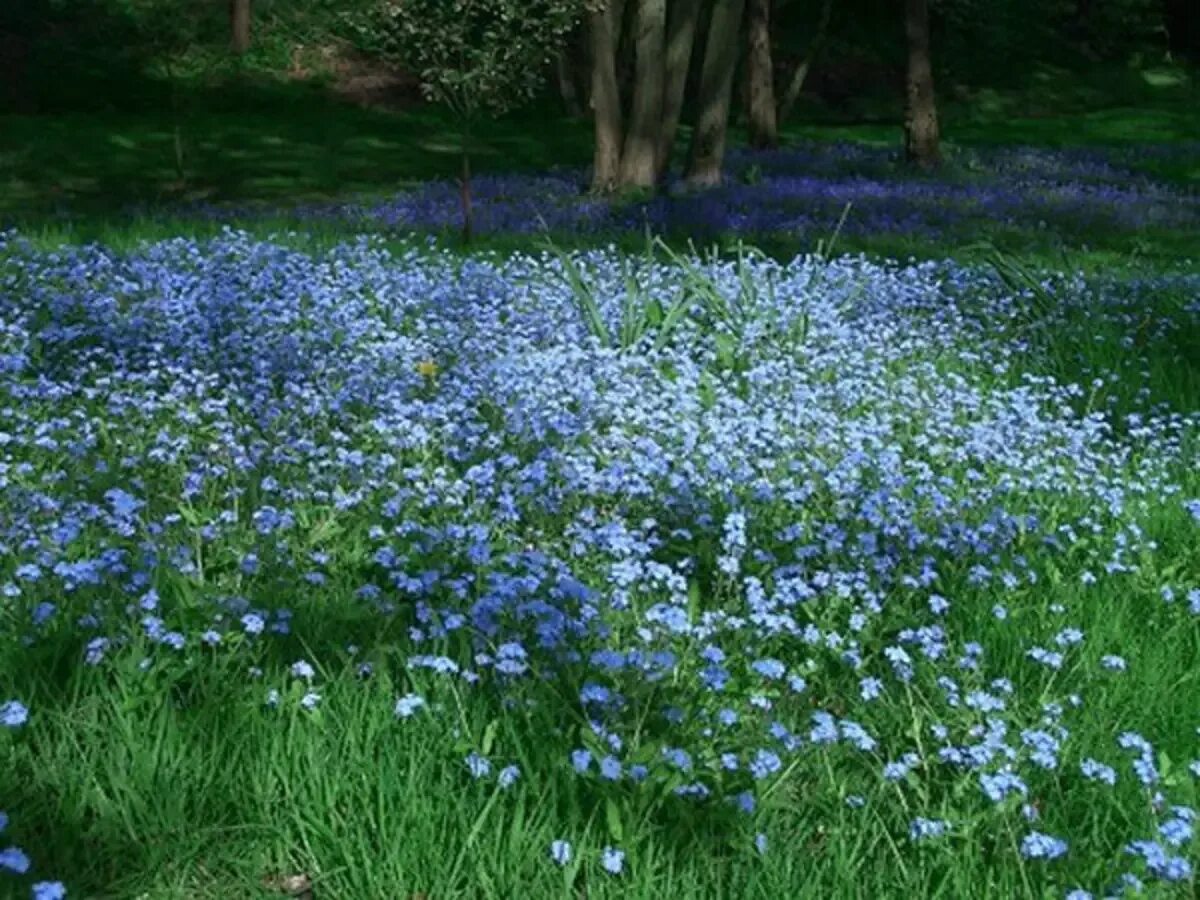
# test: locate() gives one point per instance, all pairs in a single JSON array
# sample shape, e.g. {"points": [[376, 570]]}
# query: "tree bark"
{"points": [[800, 75], [681, 37], [239, 26], [603, 25], [707, 148], [639, 158], [464, 188], [760, 76], [566, 86], [921, 141]]}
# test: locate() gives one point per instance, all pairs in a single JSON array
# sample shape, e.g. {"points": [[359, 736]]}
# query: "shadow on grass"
{"points": [[254, 142], [257, 139]]}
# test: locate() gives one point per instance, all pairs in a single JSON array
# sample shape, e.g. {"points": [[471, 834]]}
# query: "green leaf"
{"points": [[489, 737], [727, 347], [693, 600], [612, 816], [653, 313]]}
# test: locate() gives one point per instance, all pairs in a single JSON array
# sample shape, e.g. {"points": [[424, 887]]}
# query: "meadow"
{"points": [[852, 552]]}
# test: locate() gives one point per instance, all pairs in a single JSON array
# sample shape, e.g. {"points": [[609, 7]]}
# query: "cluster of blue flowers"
{"points": [[802, 190], [733, 549]]}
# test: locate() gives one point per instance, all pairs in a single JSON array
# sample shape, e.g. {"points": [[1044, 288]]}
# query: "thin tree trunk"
{"points": [[468, 221], [681, 37], [800, 75], [239, 26], [707, 148], [603, 26], [566, 86], [760, 76], [579, 67], [639, 158], [920, 118]]}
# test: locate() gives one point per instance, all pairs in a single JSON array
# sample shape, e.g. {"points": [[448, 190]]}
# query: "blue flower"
{"points": [[13, 714], [612, 860], [1068, 637], [998, 785], [508, 776], [1044, 747], [870, 688], [302, 669], [594, 693], [478, 766], [764, 764], [899, 769], [678, 758], [14, 860], [1094, 770], [560, 852], [1176, 832], [857, 736], [921, 829], [124, 504], [49, 890], [1049, 658], [1036, 845], [769, 668], [1159, 862], [408, 705]]}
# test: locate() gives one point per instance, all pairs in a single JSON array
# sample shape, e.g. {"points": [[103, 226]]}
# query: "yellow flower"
{"points": [[427, 367]]}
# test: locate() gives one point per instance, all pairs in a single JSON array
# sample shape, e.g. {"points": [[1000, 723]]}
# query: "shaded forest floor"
{"points": [[250, 153]]}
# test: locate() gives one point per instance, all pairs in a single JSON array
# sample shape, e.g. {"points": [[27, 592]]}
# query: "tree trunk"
{"points": [[464, 186], [239, 26], [603, 25], [579, 67], [681, 37], [760, 76], [716, 84], [920, 115], [639, 158], [464, 181], [566, 86], [800, 75]]}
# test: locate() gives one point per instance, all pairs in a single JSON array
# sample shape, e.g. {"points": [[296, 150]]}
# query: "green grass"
{"points": [[266, 144]]}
